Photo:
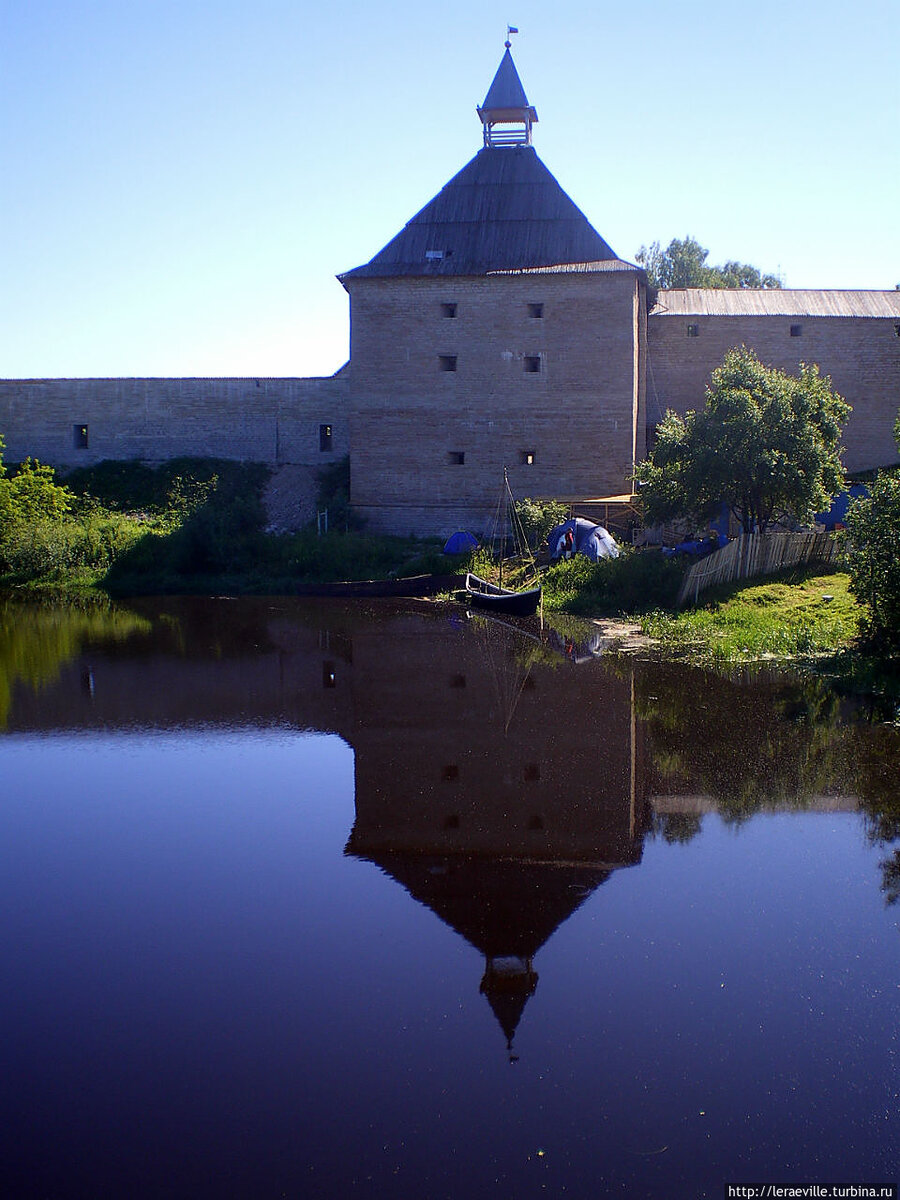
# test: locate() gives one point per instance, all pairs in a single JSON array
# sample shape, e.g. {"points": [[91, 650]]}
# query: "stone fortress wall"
{"points": [[428, 444], [77, 422], [861, 355]]}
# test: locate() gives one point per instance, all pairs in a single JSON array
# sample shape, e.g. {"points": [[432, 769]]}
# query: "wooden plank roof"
{"points": [[775, 302], [503, 211]]}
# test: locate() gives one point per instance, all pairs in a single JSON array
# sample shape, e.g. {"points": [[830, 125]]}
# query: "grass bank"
{"points": [[800, 614]]}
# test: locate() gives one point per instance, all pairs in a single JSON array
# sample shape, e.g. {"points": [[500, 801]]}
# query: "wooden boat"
{"points": [[493, 598]]}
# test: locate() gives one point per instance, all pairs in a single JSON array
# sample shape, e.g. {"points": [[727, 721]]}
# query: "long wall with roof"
{"points": [[854, 337]]}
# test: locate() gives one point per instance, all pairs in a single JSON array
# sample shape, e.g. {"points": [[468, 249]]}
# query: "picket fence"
{"points": [[754, 554]]}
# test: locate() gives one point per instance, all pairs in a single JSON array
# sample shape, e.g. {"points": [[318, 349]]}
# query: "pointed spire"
{"points": [[507, 104]]}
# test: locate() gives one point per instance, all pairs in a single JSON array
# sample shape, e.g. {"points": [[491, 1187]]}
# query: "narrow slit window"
{"points": [[532, 364], [796, 331], [329, 675], [897, 330], [457, 458], [528, 457], [326, 435], [448, 310], [80, 435], [447, 362], [536, 311], [693, 330]]}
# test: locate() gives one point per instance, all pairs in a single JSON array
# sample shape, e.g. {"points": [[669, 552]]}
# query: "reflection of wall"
{"points": [[497, 793], [207, 662], [460, 745], [459, 748]]}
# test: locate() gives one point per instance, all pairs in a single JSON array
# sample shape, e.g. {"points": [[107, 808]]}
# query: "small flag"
{"points": [[511, 29]]}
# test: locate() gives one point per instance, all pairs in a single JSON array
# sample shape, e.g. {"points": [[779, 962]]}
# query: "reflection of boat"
{"points": [[494, 598]]}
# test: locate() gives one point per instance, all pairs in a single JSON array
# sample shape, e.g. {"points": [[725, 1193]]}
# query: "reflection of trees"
{"points": [[763, 739], [876, 757], [749, 743], [36, 641], [676, 827]]}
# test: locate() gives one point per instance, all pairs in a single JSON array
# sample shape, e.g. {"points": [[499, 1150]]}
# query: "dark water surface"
{"points": [[315, 900]]}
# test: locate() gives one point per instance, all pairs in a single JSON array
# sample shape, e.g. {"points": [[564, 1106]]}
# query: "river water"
{"points": [[318, 900]]}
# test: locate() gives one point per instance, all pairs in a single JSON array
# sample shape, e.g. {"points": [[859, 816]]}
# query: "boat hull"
{"points": [[502, 600]]}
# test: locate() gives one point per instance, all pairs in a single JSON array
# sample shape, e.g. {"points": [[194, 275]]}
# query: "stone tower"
{"points": [[497, 329]]}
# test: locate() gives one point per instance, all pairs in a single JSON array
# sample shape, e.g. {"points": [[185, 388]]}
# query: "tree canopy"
{"points": [[767, 444], [683, 264]]}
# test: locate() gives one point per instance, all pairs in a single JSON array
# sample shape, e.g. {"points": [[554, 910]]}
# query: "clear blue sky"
{"points": [[182, 180]]}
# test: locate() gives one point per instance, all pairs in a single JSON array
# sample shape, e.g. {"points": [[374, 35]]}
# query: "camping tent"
{"points": [[461, 542], [590, 539]]}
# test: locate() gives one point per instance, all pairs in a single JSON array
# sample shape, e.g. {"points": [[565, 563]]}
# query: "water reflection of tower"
{"points": [[499, 784]]}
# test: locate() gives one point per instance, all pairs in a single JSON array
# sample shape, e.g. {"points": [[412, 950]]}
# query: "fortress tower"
{"points": [[498, 328]]}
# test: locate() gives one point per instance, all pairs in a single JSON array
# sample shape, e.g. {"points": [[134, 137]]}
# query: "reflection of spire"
{"points": [[508, 983], [506, 909]]}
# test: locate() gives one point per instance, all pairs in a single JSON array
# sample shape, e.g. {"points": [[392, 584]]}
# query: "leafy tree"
{"points": [[538, 517], [874, 525], [767, 444], [683, 264]]}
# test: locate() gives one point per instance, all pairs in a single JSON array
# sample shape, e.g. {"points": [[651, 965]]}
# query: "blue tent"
{"points": [[461, 542], [591, 539]]}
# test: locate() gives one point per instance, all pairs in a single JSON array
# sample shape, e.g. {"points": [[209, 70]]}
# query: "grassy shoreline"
{"points": [[796, 615], [196, 526]]}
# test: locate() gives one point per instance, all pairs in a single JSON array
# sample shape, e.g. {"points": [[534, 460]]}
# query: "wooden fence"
{"points": [[754, 554]]}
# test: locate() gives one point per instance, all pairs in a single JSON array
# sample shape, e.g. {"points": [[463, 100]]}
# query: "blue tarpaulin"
{"points": [[837, 514]]}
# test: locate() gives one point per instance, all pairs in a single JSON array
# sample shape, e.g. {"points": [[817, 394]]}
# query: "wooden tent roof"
{"points": [[503, 211]]}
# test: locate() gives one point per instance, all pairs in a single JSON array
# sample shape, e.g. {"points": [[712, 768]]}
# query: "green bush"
{"points": [[538, 517], [50, 549], [874, 557], [637, 581]]}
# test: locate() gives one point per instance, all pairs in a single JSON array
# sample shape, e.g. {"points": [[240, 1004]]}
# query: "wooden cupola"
{"points": [[506, 106]]}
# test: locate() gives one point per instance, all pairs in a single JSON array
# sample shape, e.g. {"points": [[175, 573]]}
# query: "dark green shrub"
{"points": [[538, 517], [637, 581], [874, 557]]}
